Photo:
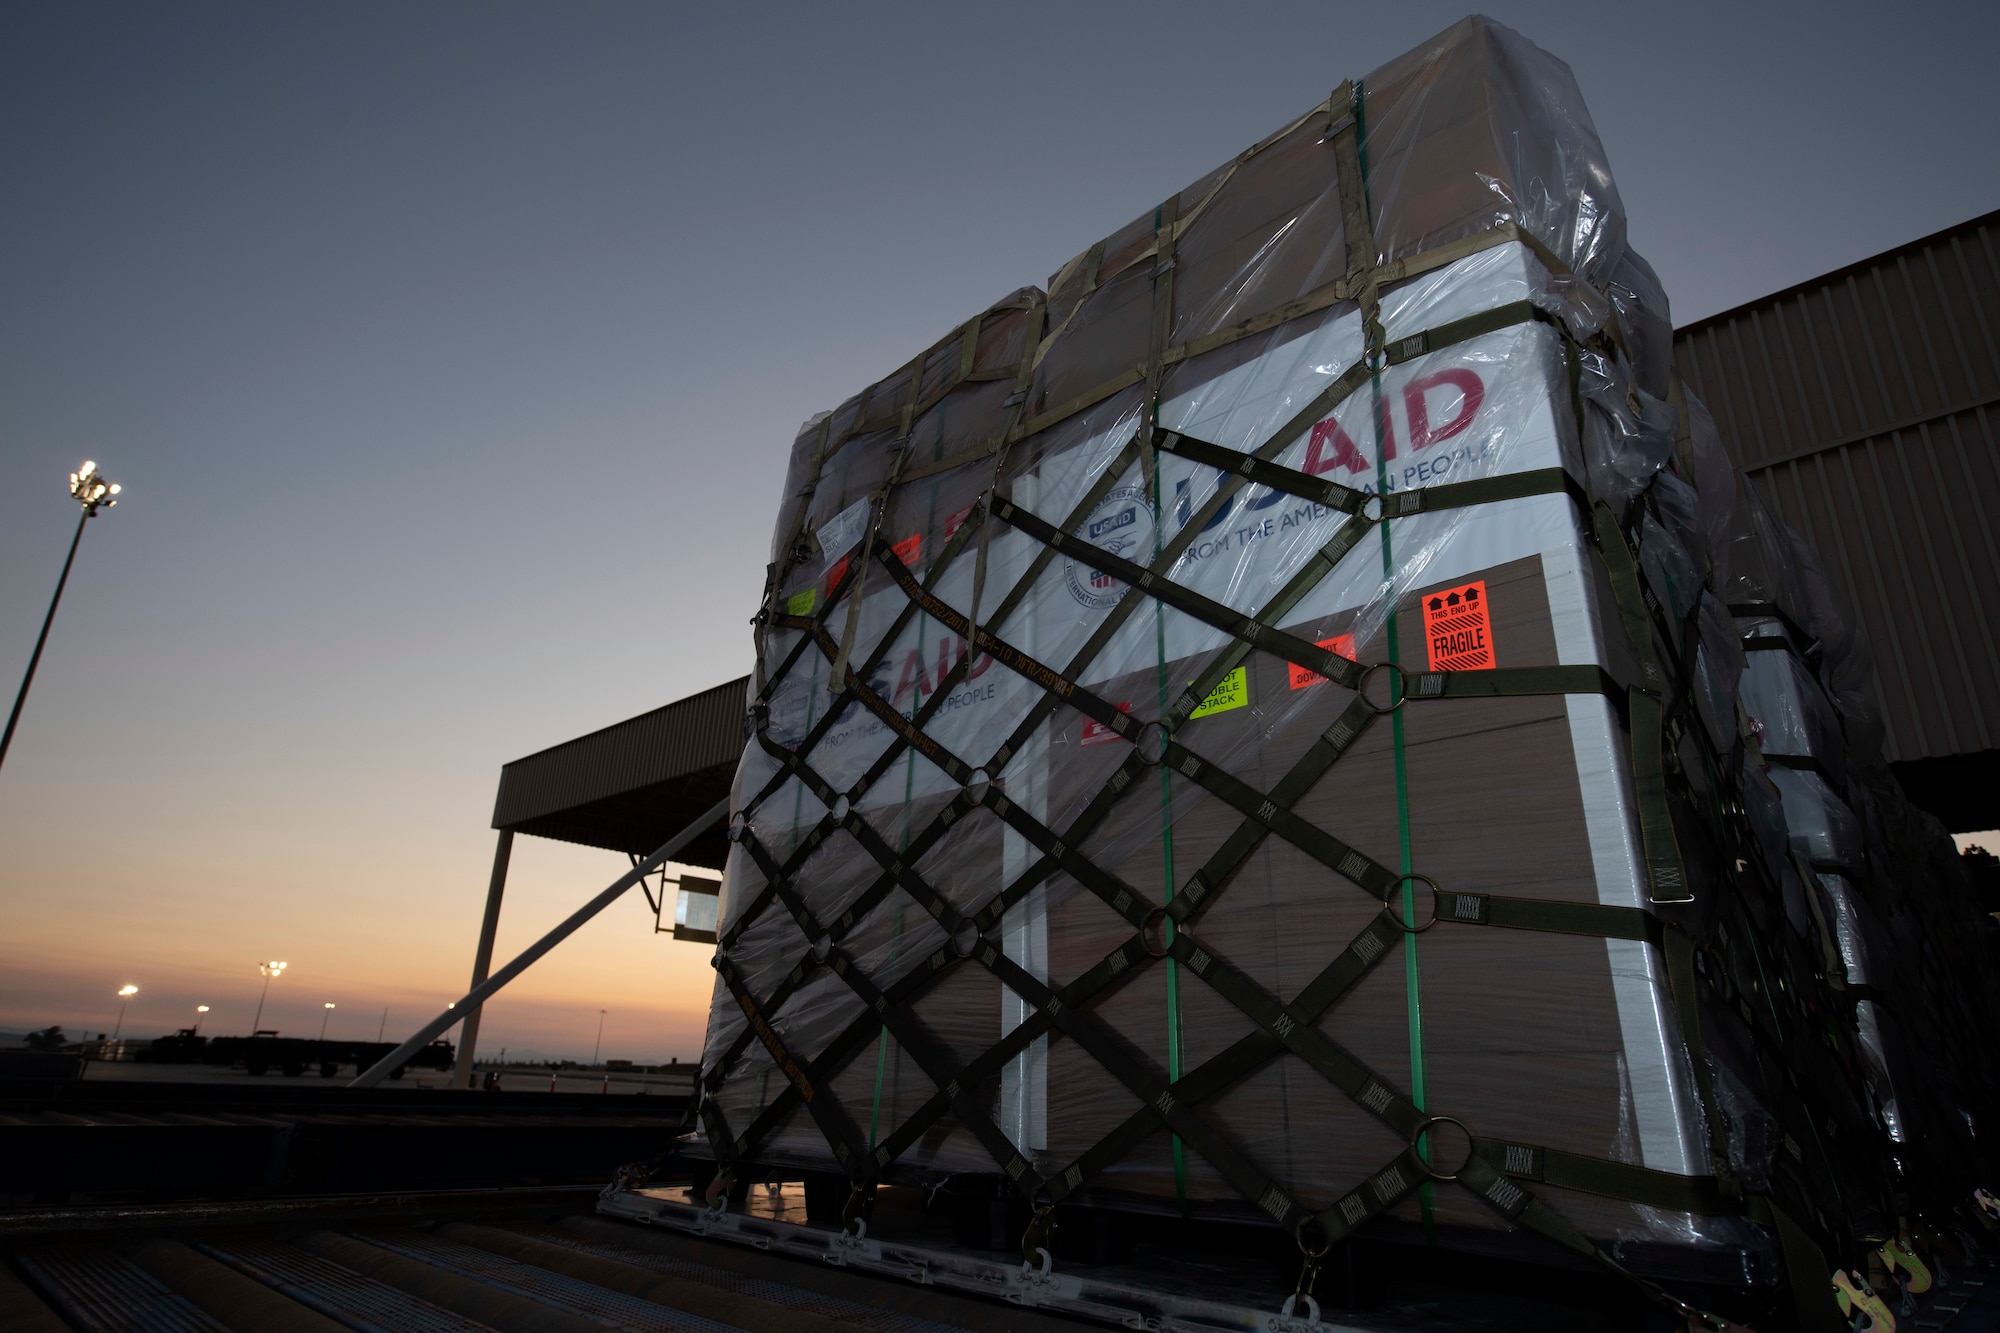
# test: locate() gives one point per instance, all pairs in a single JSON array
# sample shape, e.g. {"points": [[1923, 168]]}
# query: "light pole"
{"points": [[269, 970], [322, 1019], [600, 1037], [125, 994], [199, 1010], [93, 492]]}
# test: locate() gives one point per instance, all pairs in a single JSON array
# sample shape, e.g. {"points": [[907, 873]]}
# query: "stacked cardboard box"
{"points": [[1260, 730]]}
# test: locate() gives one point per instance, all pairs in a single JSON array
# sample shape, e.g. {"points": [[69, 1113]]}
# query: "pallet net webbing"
{"points": [[1654, 692]]}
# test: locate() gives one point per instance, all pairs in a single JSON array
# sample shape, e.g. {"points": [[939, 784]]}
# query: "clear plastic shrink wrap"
{"points": [[1360, 734]]}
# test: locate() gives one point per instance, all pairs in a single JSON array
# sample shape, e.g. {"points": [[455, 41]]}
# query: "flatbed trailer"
{"points": [[262, 1052]]}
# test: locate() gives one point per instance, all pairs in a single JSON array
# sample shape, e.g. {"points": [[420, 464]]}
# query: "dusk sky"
{"points": [[449, 355]]}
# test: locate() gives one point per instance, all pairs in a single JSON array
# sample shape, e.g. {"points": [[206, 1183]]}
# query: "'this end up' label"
{"points": [[1458, 633]]}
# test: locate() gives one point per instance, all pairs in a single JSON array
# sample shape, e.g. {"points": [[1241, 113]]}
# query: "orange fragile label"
{"points": [[1458, 633], [908, 549], [1340, 645]]}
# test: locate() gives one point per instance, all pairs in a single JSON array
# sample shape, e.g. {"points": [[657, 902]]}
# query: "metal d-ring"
{"points": [[1146, 933], [1416, 1137], [1151, 743], [1397, 916], [1381, 508], [1402, 694]]}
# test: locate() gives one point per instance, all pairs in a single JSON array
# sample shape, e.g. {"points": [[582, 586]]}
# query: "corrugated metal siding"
{"points": [[691, 735], [1863, 405]]}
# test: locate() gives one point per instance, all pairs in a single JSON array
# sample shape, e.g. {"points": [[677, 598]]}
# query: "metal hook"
{"points": [[1039, 1229], [851, 1215]]}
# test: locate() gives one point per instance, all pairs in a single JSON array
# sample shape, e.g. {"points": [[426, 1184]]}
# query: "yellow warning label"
{"points": [[1233, 691], [801, 603]]}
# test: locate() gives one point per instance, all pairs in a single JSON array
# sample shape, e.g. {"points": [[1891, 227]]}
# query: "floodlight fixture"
{"points": [[89, 488], [125, 994], [271, 969]]}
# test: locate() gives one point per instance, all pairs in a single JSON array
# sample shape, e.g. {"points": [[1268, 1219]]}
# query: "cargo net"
{"points": [[1790, 1073]]}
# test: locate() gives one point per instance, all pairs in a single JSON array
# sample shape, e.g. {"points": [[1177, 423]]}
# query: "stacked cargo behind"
{"points": [[1262, 731]]}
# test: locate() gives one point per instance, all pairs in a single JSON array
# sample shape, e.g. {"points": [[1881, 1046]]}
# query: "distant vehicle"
{"points": [[266, 1050]]}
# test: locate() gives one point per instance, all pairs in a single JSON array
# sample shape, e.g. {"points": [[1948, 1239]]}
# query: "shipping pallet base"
{"points": [[1970, 1304], [1074, 1294]]}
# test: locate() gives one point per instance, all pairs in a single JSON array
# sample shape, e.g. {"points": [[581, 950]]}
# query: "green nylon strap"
{"points": [[1334, 1061], [1223, 1071], [1612, 1180], [1380, 1191], [1320, 756], [1665, 870], [1344, 133], [1106, 628], [1601, 920], [1116, 968], [1477, 909], [1681, 985], [1399, 350], [1408, 348], [1807, 1271], [1163, 304], [1243, 1175], [1215, 614], [1500, 682], [796, 760], [842, 1137], [940, 1066], [815, 732], [967, 352], [1417, 685], [1486, 1180], [792, 550], [1649, 789], [1664, 867], [850, 1042], [1394, 504], [1316, 842]]}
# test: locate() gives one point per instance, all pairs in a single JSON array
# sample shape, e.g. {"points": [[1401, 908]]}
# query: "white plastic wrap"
{"points": [[1571, 1042]]}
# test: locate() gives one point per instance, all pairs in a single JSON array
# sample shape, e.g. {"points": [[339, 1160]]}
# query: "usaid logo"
{"points": [[1121, 524], [1124, 518]]}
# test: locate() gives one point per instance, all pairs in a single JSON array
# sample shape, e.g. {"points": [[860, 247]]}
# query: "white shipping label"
{"points": [[844, 531]]}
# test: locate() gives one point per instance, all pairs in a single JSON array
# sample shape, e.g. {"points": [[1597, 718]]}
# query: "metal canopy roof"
{"points": [[631, 786]]}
